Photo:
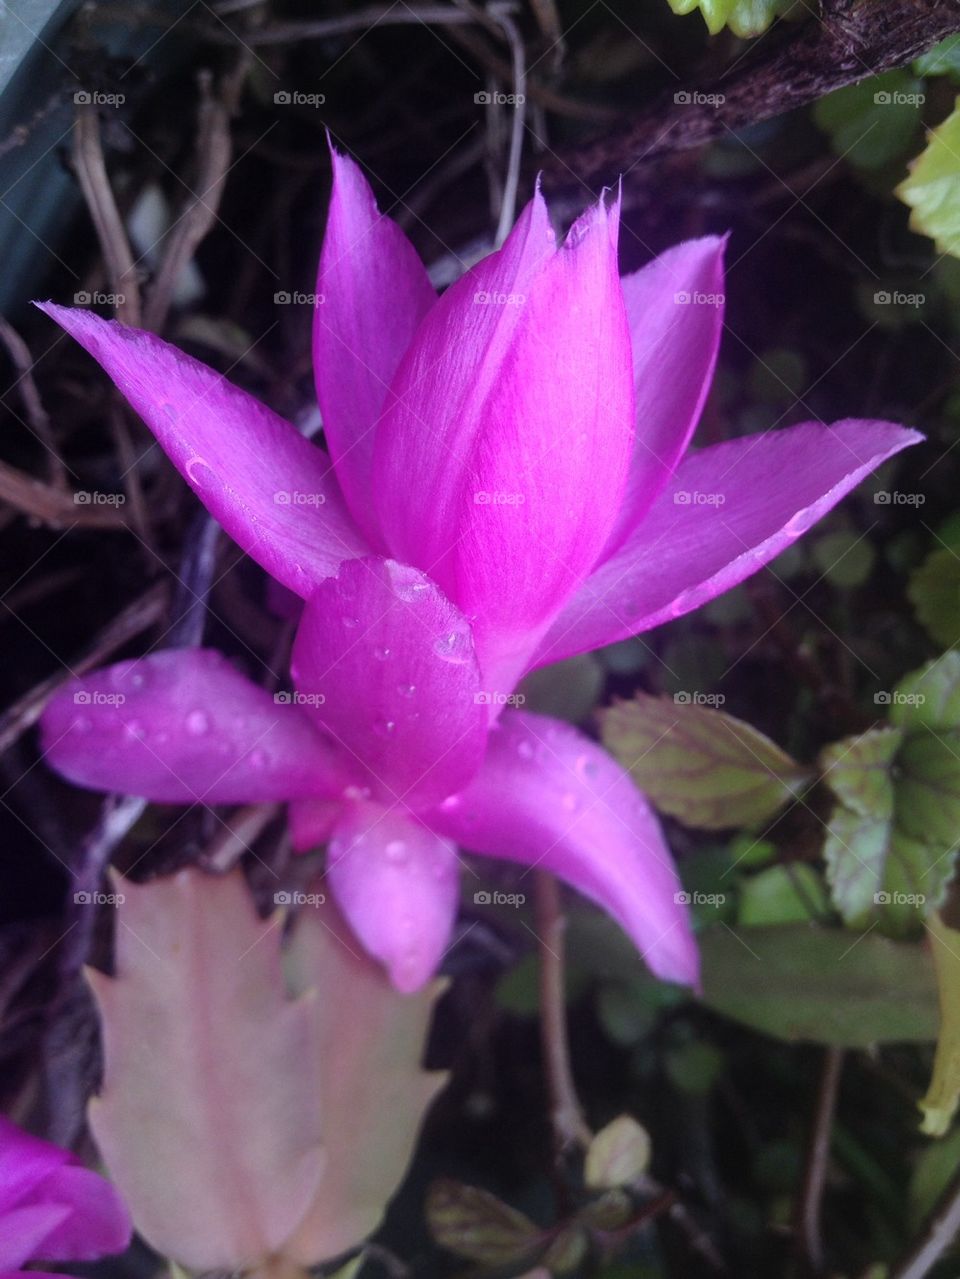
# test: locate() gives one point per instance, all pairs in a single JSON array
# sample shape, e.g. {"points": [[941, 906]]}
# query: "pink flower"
{"points": [[51, 1207], [506, 485]]}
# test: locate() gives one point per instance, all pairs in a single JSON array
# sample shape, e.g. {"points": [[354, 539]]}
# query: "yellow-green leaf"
{"points": [[477, 1225], [943, 1095], [933, 188], [618, 1154], [700, 765], [744, 17]]}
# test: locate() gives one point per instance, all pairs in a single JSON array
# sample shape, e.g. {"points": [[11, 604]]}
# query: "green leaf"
{"points": [[933, 188], [821, 984], [844, 559], [889, 840], [694, 1067], [942, 59], [698, 764], [618, 1155], [477, 1225], [940, 1103], [872, 123], [934, 592], [929, 697], [745, 18], [792, 894]]}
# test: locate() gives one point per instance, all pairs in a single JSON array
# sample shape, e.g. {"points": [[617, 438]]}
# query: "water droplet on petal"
{"points": [[570, 802], [381, 654], [525, 749], [350, 622], [82, 725], [134, 730], [384, 727], [454, 646], [356, 792], [197, 723], [406, 690], [396, 851]]}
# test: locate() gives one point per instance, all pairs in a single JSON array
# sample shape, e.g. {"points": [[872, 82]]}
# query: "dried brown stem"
{"points": [[53, 506], [140, 615], [809, 1235], [37, 417], [791, 67], [214, 151], [569, 1126], [91, 173]]}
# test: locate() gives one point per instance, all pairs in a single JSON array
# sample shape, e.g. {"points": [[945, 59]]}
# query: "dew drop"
{"points": [[570, 802], [197, 723], [384, 727], [134, 730], [356, 792], [82, 724], [406, 690], [381, 654], [525, 749], [454, 647], [396, 851], [350, 622]]}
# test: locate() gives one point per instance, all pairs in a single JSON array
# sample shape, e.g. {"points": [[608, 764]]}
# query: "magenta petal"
{"points": [[51, 1207], [396, 883], [549, 797], [386, 664], [23, 1230], [675, 312], [311, 821], [503, 454], [98, 1222], [728, 510], [184, 726], [373, 292], [272, 490]]}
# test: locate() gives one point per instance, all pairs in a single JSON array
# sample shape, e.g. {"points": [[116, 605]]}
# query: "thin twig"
{"points": [[130, 473], [940, 1234], [214, 151], [809, 1235], [140, 615], [37, 417], [511, 185], [91, 173], [569, 1126], [54, 506], [238, 833]]}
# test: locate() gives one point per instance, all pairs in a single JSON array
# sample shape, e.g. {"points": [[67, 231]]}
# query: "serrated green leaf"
{"points": [[928, 786], [477, 1225], [821, 984], [934, 592], [700, 765], [857, 770], [617, 1155], [940, 1103], [793, 894], [872, 123], [942, 59], [929, 697], [933, 188], [745, 18], [888, 840]]}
